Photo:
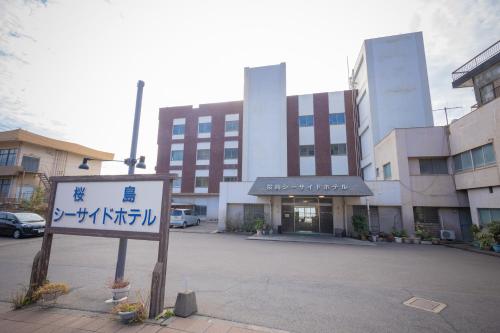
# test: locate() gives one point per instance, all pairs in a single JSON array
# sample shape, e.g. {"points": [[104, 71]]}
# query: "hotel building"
{"points": [[308, 163]]}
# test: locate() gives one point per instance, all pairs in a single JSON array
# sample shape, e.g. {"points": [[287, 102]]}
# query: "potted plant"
{"points": [[259, 225], [49, 292], [486, 239], [494, 229], [120, 289], [435, 241], [374, 237], [426, 238], [475, 230], [389, 237], [397, 235], [360, 226], [130, 312], [404, 236]]}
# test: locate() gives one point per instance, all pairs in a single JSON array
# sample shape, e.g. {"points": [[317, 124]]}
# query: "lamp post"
{"points": [[122, 247], [132, 163]]}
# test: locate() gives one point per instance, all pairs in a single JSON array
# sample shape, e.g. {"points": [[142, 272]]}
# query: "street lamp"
{"points": [[138, 164]]}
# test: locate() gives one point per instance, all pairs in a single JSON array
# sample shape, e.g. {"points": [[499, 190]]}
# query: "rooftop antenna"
{"points": [[445, 109]]}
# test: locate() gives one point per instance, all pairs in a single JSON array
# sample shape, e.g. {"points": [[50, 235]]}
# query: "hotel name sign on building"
{"points": [[310, 186]]}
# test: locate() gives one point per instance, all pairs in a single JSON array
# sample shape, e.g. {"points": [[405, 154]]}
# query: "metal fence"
{"points": [[481, 58]]}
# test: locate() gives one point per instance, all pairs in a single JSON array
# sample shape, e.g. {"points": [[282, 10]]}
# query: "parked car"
{"points": [[22, 224], [183, 218]]}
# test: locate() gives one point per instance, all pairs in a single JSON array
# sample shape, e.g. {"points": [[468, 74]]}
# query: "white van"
{"points": [[183, 218]]}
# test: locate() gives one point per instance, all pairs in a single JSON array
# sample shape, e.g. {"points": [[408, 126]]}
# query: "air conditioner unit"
{"points": [[448, 234]]}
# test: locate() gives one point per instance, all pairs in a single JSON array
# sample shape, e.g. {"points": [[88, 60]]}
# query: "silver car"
{"points": [[183, 218]]}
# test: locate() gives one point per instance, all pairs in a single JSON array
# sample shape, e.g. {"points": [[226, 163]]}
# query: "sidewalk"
{"points": [[56, 320], [322, 239]]}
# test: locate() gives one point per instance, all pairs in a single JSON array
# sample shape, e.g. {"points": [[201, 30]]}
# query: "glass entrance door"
{"points": [[306, 218]]}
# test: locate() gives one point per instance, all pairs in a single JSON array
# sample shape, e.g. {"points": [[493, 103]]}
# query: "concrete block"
{"points": [[185, 304]]}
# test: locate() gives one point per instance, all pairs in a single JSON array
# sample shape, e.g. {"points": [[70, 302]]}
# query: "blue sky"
{"points": [[69, 69]]}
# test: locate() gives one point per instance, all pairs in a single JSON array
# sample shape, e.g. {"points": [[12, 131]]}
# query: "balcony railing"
{"points": [[478, 60]]}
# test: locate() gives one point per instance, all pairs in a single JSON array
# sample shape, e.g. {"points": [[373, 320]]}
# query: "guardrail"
{"points": [[481, 58]]}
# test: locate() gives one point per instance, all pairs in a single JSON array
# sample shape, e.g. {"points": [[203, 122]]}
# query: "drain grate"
{"points": [[425, 304]]}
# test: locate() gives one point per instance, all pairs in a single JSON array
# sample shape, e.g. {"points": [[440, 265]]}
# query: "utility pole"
{"points": [[445, 109], [122, 247]]}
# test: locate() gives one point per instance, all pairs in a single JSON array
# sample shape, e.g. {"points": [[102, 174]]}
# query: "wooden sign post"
{"points": [[135, 206]]}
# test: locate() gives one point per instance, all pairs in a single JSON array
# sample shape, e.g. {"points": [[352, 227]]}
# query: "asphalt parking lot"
{"points": [[293, 286]]}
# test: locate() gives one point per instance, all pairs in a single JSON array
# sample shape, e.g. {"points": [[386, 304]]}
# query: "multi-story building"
{"points": [[475, 138], [297, 160], [28, 159]]}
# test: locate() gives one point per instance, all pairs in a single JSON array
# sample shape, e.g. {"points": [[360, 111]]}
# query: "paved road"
{"points": [[293, 286]]}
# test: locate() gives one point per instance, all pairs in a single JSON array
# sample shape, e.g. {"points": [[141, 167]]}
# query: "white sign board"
{"points": [[116, 205]]}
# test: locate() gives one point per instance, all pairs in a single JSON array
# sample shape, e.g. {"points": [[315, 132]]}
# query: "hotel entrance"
{"points": [[307, 215]]}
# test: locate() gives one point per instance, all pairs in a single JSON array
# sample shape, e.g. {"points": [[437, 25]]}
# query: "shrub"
{"points": [[486, 239], [20, 299], [475, 230], [51, 289], [167, 313], [360, 225], [138, 307], [494, 229], [259, 223]]}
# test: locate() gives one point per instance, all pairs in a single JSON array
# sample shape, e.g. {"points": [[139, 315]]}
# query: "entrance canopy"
{"points": [[345, 186]]}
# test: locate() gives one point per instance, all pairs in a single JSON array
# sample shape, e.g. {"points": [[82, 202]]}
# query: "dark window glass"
{"points": [[8, 156], [177, 155], [187, 212], [201, 181], [178, 129], [338, 149], [306, 121], [336, 118], [203, 154], [433, 166], [307, 150], [477, 157], [230, 179], [232, 125], [230, 153], [200, 210], [30, 164], [487, 93], [4, 187], [457, 161], [204, 127], [387, 171], [466, 160], [489, 154]]}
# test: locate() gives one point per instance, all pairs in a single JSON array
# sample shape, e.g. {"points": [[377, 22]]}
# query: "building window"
{"points": [[337, 149], [201, 182], [307, 150], [230, 178], [487, 215], [306, 121], [387, 171], [433, 166], [204, 127], [200, 210], [177, 155], [178, 129], [475, 158], [336, 118], [4, 187], [232, 125], [177, 183], [8, 156], [30, 164], [230, 153], [203, 154], [490, 91]]}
